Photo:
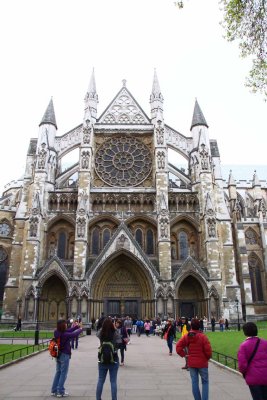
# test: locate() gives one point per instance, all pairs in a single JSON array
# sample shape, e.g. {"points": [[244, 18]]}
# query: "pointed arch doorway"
{"points": [[53, 300], [192, 300], [122, 287]]}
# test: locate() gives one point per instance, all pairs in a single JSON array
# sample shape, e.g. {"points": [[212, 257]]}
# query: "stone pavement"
{"points": [[149, 374]]}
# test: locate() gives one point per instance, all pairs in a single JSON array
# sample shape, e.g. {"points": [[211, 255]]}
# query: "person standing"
{"points": [[213, 322], [169, 334], [205, 323], [108, 333], [147, 327], [221, 323], [128, 323], [122, 343], [65, 335], [199, 353], [252, 361], [185, 328], [75, 340]]}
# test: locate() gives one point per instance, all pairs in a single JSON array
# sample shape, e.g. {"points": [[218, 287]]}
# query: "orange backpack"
{"points": [[54, 347]]}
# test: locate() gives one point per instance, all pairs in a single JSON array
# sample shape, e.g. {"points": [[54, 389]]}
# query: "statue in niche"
{"points": [[52, 250], [262, 208], [42, 157], [80, 227], [204, 158], [160, 133], [238, 210], [82, 204], [161, 159], [211, 227], [164, 227], [33, 227], [86, 132], [85, 159]]}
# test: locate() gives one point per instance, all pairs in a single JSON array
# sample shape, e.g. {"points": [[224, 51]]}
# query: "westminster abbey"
{"points": [[125, 231]]}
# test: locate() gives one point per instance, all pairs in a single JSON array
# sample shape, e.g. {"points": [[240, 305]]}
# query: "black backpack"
{"points": [[107, 353]]}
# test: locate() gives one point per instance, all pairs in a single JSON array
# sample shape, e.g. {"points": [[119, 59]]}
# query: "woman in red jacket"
{"points": [[199, 353]]}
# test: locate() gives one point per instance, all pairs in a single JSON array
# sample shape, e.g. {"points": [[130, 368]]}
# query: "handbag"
{"points": [[252, 356], [126, 340]]}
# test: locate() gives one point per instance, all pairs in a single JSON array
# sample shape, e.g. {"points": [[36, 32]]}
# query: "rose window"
{"points": [[123, 162]]}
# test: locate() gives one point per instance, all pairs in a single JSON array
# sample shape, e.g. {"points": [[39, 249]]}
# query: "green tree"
{"points": [[246, 21]]}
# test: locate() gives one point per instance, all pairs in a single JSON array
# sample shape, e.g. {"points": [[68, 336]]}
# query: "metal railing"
{"points": [[228, 361], [24, 351]]}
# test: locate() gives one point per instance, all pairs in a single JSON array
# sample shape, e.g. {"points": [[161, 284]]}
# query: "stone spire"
{"points": [[255, 181], [231, 180], [156, 98], [49, 115], [198, 117], [91, 99]]}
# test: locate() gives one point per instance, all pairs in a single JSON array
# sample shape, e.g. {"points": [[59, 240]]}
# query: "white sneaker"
{"points": [[66, 394]]}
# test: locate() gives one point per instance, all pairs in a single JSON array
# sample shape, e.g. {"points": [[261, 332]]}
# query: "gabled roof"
{"points": [[124, 109], [123, 240]]}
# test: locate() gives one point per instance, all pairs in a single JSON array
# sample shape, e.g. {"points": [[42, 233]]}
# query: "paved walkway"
{"points": [[149, 374]]}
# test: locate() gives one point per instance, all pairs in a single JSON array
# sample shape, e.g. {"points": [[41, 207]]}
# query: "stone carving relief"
{"points": [[164, 223], [86, 132], [33, 226], [85, 160], [42, 157], [211, 223], [124, 110], [81, 224], [204, 158], [160, 133], [161, 159]]}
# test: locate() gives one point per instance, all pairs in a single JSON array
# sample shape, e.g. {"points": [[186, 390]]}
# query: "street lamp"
{"points": [[36, 333], [237, 310]]}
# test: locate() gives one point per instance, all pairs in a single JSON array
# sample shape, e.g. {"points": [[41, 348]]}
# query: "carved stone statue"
{"points": [[33, 227], [86, 132], [160, 133], [81, 227], [42, 157], [85, 159], [211, 227], [164, 227], [161, 159]]}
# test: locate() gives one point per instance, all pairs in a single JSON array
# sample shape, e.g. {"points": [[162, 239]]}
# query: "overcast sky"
{"points": [[50, 47]]}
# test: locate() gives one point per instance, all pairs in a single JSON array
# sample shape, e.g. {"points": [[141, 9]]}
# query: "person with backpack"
{"points": [[108, 360], [199, 353], [63, 335], [252, 361]]}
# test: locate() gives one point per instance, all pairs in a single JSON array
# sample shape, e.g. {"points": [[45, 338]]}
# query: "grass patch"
{"points": [[25, 334], [9, 352]]}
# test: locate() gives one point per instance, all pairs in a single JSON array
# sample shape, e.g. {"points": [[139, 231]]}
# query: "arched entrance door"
{"points": [[122, 288], [191, 298], [53, 305]]}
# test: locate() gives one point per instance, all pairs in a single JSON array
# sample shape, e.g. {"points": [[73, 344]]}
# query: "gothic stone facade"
{"points": [[125, 232]]}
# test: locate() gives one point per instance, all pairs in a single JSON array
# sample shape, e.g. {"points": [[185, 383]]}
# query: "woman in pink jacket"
{"points": [[254, 369]]}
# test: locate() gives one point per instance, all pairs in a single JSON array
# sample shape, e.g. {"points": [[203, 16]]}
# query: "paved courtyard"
{"points": [[149, 373]]}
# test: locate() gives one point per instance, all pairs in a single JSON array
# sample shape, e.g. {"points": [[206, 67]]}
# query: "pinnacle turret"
{"points": [[231, 180], [198, 117], [91, 99], [156, 98], [49, 115]]}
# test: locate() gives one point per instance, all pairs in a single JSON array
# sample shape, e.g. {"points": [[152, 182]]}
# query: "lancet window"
{"points": [[255, 278]]}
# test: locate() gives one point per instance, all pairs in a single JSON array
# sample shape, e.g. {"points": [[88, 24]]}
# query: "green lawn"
{"points": [[17, 351], [25, 334]]}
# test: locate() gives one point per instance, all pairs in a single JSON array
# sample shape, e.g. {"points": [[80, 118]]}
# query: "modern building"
{"points": [[122, 230]]}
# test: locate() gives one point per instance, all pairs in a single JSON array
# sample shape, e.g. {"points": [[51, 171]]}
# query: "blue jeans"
{"points": [[169, 343], [203, 372], [258, 392], [61, 373], [102, 373]]}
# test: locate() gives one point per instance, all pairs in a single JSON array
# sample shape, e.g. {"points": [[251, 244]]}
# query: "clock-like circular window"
{"points": [[123, 162]]}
